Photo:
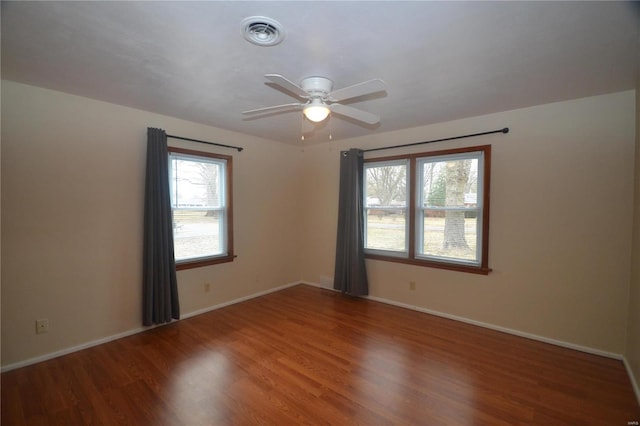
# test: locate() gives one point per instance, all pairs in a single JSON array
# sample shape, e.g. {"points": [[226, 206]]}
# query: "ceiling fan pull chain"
{"points": [[301, 127], [330, 127]]}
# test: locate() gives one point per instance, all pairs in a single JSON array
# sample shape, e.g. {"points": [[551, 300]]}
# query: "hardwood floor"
{"points": [[310, 356]]}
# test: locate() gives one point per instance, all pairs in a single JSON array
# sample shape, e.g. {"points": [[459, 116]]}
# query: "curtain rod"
{"points": [[505, 130], [205, 142]]}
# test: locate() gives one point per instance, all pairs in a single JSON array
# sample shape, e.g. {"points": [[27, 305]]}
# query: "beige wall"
{"points": [[561, 215], [72, 196], [0, 228], [72, 186], [633, 331]]}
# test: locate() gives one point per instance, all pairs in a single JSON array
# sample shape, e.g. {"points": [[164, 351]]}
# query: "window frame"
{"points": [[412, 257], [229, 256]]}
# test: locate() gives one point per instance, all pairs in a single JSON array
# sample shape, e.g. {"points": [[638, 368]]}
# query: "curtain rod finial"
{"points": [[505, 130]]}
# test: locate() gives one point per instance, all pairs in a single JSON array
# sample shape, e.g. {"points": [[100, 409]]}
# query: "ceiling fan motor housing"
{"points": [[317, 86]]}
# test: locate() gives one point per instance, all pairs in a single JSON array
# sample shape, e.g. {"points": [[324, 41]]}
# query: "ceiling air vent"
{"points": [[262, 31]]}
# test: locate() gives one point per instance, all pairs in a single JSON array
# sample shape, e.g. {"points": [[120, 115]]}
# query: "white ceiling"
{"points": [[440, 60]]}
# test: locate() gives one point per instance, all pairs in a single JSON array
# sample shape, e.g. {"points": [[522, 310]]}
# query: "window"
{"points": [[386, 197], [430, 209], [200, 184]]}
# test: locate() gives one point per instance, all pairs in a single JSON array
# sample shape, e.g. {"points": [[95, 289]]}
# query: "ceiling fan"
{"points": [[319, 100]]}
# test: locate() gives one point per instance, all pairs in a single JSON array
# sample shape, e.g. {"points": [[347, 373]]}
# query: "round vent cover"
{"points": [[262, 31]]}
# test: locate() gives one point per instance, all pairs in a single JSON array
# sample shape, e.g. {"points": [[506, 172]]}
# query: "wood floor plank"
{"points": [[310, 356]]}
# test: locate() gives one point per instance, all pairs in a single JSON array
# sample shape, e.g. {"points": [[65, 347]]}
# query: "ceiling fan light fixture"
{"points": [[316, 111]]}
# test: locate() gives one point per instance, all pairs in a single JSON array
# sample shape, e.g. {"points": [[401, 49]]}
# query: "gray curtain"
{"points": [[160, 297], [350, 273]]}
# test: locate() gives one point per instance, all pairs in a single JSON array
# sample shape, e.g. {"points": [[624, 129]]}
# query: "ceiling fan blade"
{"points": [[360, 89], [276, 108], [287, 85], [356, 114]]}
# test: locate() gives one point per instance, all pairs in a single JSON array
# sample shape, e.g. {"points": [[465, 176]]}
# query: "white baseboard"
{"points": [[127, 333], [502, 329], [634, 382], [555, 342], [326, 287], [241, 299], [487, 325], [97, 342], [72, 349]]}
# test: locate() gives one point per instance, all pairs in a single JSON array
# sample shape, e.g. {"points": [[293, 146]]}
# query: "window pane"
{"points": [[450, 183], [449, 208], [450, 234], [386, 206], [197, 233], [197, 183], [386, 230]]}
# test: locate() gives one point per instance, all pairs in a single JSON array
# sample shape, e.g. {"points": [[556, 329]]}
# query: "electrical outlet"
{"points": [[207, 287], [412, 285], [42, 325]]}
